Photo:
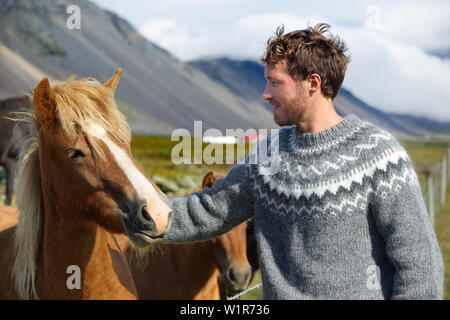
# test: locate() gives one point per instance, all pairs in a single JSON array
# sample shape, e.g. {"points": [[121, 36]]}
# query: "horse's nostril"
{"points": [[231, 275], [146, 215]]}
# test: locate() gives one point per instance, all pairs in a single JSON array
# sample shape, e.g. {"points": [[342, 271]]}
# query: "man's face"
{"points": [[288, 96]]}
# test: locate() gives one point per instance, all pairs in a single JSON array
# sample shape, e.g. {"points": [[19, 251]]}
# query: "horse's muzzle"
{"points": [[141, 226]]}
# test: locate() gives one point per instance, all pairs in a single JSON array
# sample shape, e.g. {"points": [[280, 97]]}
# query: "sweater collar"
{"points": [[342, 129]]}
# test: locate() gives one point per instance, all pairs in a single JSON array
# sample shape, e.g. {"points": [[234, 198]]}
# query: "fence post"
{"points": [[448, 163], [443, 179], [430, 196]]}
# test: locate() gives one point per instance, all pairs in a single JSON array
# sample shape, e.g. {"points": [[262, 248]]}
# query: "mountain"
{"points": [[157, 92], [246, 79], [443, 53]]}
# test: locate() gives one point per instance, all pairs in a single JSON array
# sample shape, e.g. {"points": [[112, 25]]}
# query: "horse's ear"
{"points": [[44, 100], [114, 80], [208, 180]]}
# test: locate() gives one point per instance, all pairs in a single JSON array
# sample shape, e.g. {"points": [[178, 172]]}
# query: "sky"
{"points": [[392, 44]]}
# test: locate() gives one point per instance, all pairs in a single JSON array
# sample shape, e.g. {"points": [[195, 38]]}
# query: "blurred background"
{"points": [[199, 60]]}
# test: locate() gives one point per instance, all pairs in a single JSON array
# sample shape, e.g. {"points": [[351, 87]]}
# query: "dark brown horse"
{"points": [[11, 134], [192, 271], [78, 184]]}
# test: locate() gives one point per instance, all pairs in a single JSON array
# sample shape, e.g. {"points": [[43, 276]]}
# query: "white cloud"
{"points": [[418, 24], [166, 33], [244, 38], [390, 67], [397, 77]]}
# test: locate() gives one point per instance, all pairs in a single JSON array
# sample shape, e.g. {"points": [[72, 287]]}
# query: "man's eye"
{"points": [[74, 154]]}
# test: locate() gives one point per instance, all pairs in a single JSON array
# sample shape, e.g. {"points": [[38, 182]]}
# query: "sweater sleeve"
{"points": [[402, 220], [214, 211]]}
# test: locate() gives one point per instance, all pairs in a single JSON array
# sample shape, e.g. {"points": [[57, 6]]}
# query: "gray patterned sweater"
{"points": [[341, 218]]}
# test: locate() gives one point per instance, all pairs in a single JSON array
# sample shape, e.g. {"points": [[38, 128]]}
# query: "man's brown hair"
{"points": [[310, 51]]}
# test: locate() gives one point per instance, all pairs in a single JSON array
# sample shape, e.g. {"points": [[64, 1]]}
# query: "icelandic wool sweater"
{"points": [[342, 217]]}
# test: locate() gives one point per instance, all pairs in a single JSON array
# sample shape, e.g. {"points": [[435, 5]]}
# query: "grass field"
{"points": [[154, 154], [426, 152], [432, 153], [442, 228]]}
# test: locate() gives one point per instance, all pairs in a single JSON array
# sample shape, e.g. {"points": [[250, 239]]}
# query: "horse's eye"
{"points": [[75, 154]]}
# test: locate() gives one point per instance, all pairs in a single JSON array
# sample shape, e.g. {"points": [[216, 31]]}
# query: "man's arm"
{"points": [[411, 243], [212, 212]]}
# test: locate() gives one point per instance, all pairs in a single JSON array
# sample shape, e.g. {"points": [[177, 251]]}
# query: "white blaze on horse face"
{"points": [[157, 209]]}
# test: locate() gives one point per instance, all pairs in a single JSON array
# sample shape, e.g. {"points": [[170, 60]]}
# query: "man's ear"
{"points": [[114, 80], [44, 101], [315, 82]]}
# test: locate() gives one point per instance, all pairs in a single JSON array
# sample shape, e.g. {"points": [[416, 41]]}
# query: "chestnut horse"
{"points": [[191, 271], [78, 184]]}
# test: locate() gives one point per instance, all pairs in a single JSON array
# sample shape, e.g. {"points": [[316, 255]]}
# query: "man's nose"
{"points": [[267, 95]]}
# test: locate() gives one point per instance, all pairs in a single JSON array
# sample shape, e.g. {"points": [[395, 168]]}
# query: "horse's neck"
{"points": [[205, 254], [69, 250], [210, 290], [199, 255], [202, 267]]}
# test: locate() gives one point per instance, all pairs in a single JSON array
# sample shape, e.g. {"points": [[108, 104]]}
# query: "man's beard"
{"points": [[289, 114]]}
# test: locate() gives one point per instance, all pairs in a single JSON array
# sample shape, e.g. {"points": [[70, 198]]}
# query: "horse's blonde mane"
{"points": [[79, 103]]}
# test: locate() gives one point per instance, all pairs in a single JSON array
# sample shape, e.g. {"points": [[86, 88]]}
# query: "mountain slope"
{"points": [[168, 93], [157, 93]]}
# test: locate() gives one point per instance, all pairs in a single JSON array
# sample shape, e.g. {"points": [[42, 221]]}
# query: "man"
{"points": [[342, 217]]}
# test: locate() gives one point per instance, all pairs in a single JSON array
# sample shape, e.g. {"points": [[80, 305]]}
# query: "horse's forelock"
{"points": [[82, 102]]}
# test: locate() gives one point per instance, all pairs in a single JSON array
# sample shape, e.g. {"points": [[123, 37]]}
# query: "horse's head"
{"points": [[87, 169], [231, 251]]}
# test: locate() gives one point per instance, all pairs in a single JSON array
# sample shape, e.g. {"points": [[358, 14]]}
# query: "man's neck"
{"points": [[319, 117]]}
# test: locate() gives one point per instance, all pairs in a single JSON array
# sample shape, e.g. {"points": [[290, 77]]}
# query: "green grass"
{"points": [[154, 154], [426, 153], [442, 228], [255, 294]]}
